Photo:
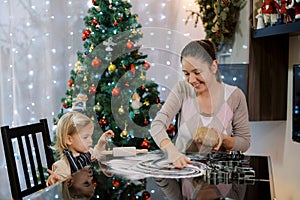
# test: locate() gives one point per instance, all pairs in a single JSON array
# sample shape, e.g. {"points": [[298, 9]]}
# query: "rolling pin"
{"points": [[124, 151]]}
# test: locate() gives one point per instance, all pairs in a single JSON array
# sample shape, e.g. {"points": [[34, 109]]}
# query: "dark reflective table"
{"points": [[148, 176]]}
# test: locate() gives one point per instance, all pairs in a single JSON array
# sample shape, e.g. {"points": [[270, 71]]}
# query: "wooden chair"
{"points": [[29, 145]]}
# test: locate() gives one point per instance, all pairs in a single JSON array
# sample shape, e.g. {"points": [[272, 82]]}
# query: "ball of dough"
{"points": [[206, 136]]}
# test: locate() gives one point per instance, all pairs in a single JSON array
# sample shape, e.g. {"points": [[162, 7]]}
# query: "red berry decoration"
{"points": [[86, 32], [115, 23], [171, 129], [145, 121], [92, 89], [70, 83], [132, 68], [95, 2], [147, 65], [115, 183], [94, 22], [115, 92], [96, 62], [146, 195], [129, 45], [95, 183], [145, 144], [103, 122], [64, 105]]}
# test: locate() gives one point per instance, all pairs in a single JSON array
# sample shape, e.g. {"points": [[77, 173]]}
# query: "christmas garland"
{"points": [[219, 19]]}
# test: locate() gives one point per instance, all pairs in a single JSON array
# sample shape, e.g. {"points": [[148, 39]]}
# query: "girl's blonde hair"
{"points": [[69, 124]]}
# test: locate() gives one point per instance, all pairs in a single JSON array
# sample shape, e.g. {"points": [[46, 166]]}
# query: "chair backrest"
{"points": [[23, 145]]}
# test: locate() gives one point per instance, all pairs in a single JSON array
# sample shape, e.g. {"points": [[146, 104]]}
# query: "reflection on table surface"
{"points": [[149, 176]]}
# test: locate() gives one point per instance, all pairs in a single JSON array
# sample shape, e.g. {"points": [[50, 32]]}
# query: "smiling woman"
{"points": [[202, 101]]}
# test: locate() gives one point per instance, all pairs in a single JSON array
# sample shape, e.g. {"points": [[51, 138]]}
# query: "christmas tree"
{"points": [[109, 81], [108, 84]]}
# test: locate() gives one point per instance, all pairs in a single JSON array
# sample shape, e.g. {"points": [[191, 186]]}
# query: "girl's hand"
{"points": [[105, 136], [103, 140], [53, 178]]}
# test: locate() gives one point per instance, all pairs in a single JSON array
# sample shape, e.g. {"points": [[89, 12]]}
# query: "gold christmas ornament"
{"points": [[146, 103], [143, 77], [112, 67], [134, 32], [78, 67], [97, 107], [69, 99], [124, 133], [121, 110], [85, 79], [92, 48]]}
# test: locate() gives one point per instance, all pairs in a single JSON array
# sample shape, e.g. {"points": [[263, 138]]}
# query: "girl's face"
{"points": [[199, 74], [81, 141]]}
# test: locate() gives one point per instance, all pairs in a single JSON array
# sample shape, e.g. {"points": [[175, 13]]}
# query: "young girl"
{"points": [[74, 143]]}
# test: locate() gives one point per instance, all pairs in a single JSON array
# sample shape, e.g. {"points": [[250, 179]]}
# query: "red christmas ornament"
{"points": [[127, 84], [129, 45], [95, 3], [146, 195], [171, 129], [115, 183], [132, 68], [116, 91], [95, 184], [147, 65], [70, 83], [96, 62], [103, 122], [92, 89], [86, 32], [64, 105], [115, 23], [121, 19], [143, 87], [145, 144], [124, 67], [145, 121], [94, 22]]}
